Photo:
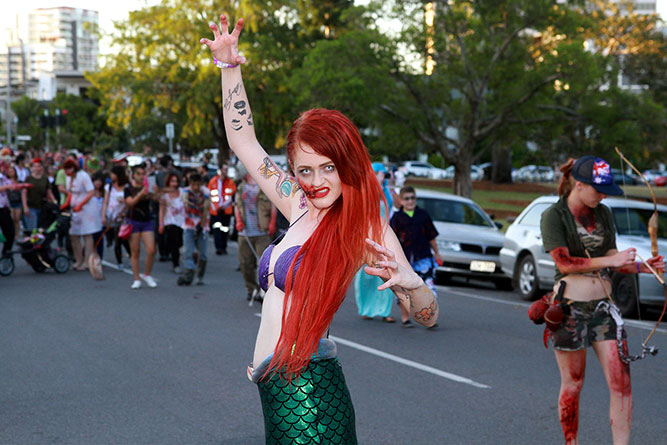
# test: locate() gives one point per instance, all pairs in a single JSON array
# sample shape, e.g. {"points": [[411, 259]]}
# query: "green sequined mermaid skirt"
{"points": [[314, 409]]}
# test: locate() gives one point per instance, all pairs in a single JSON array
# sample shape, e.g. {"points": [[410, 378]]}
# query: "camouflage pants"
{"points": [[586, 323]]}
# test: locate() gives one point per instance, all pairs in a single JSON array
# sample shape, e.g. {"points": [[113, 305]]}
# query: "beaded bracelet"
{"points": [[221, 65]]}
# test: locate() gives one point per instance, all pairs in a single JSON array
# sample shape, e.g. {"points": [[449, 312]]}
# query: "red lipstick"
{"points": [[321, 192]]}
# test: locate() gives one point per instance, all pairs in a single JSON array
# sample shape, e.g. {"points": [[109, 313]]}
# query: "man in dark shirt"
{"points": [[415, 230], [36, 195]]}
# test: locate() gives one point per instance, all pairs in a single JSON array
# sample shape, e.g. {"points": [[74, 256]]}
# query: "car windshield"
{"points": [[635, 221], [454, 212]]}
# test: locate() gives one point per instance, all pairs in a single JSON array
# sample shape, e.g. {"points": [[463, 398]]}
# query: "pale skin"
{"points": [[107, 195], [311, 170], [142, 237], [172, 190], [582, 199]]}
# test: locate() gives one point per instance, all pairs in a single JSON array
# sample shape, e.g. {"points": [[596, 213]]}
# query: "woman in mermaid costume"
{"points": [[335, 228]]}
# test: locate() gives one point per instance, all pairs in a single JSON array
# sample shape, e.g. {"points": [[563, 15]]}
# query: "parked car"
{"points": [[468, 239], [423, 170], [652, 175], [532, 269], [476, 173], [621, 178]]}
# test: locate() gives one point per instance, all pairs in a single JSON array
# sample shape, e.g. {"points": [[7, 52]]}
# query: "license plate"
{"points": [[482, 266]]}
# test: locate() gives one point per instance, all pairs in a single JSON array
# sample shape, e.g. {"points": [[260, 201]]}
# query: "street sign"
{"points": [[169, 128], [23, 137]]}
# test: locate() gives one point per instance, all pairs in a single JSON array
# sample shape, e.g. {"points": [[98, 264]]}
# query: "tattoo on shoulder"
{"points": [[427, 313], [286, 186]]}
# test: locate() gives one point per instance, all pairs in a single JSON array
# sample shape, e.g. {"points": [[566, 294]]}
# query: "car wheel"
{"points": [[526, 274], [624, 290]]}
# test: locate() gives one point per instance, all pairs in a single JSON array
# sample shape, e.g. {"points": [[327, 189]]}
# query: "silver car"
{"points": [[532, 269], [468, 240]]}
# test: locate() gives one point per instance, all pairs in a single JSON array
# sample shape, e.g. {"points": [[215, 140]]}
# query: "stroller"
{"points": [[36, 248]]}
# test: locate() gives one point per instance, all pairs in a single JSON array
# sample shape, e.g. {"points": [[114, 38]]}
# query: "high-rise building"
{"points": [[48, 44], [62, 39]]}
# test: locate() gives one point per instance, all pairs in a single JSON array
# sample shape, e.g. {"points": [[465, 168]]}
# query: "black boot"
{"points": [[201, 269], [186, 278]]}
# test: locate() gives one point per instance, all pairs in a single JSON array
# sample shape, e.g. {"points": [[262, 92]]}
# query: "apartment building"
{"points": [[48, 51]]}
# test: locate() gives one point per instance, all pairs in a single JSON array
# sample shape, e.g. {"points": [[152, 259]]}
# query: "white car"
{"points": [[424, 170], [469, 241], [532, 269], [476, 173]]}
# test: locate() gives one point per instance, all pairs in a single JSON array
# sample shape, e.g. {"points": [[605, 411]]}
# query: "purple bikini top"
{"points": [[280, 269], [283, 262]]}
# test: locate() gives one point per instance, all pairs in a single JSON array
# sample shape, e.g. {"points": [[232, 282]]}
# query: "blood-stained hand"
{"points": [[657, 263]]}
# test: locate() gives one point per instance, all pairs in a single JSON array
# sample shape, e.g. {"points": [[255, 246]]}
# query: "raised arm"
{"points": [[281, 188]]}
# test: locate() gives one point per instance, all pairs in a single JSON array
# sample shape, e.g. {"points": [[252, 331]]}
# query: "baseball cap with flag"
{"points": [[596, 172]]}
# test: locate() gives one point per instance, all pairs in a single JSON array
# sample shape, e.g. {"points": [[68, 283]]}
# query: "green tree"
{"points": [[29, 114], [161, 74]]}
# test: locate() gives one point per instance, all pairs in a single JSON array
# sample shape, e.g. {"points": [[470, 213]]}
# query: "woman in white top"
{"points": [[84, 220], [172, 217], [115, 210]]}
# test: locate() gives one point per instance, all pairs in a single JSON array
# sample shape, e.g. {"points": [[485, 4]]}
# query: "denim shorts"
{"points": [[141, 226], [585, 324]]}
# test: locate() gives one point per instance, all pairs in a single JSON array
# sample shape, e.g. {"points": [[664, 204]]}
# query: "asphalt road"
{"points": [[93, 362]]}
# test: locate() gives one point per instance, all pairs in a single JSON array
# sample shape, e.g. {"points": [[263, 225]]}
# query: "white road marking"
{"points": [[410, 363], [115, 266], [639, 324], [404, 361]]}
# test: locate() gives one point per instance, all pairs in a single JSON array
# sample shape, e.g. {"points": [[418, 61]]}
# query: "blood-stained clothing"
{"points": [[222, 191], [559, 229], [196, 208]]}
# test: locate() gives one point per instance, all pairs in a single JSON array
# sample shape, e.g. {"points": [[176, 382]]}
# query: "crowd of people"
{"points": [[154, 207]]}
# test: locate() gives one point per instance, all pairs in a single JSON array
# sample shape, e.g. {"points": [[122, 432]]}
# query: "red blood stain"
{"points": [[568, 407], [619, 373], [309, 190], [561, 256], [586, 218]]}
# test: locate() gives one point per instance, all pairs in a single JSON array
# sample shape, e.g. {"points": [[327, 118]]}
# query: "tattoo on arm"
{"points": [[236, 91], [286, 186], [241, 107], [427, 313]]}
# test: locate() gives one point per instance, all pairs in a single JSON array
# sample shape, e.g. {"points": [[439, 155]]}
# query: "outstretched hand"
{"points": [[225, 46], [391, 271]]}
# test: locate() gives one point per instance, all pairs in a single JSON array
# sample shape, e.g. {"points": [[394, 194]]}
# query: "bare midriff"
{"points": [[585, 287]]}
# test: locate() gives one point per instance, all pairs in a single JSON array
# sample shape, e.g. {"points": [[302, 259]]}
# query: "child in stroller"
{"points": [[35, 248]]}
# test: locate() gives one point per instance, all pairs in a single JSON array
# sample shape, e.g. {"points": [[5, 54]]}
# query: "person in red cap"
{"points": [[580, 235]]}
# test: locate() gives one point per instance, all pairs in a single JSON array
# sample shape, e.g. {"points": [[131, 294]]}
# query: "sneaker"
{"points": [[177, 270], [136, 284], [149, 280], [121, 267]]}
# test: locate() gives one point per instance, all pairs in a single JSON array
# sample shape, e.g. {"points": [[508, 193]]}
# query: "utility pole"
{"points": [[46, 120], [8, 120]]}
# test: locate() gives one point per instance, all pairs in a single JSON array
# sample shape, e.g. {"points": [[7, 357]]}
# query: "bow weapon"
{"points": [[653, 235]]}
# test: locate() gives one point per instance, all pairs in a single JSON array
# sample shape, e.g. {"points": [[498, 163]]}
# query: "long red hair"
{"points": [[337, 247]]}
